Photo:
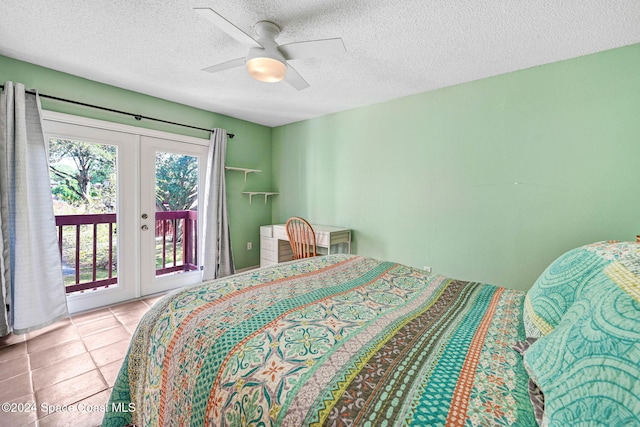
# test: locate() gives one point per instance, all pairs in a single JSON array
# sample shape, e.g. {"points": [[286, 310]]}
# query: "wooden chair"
{"points": [[302, 238]]}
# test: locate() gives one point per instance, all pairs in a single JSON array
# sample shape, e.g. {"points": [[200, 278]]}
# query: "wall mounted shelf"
{"points": [[260, 193], [245, 170]]}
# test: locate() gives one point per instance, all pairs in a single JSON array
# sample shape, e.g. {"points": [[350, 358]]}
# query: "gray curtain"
{"points": [[217, 255], [32, 289]]}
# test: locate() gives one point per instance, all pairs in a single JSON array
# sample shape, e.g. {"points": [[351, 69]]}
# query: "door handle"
{"points": [[145, 227]]}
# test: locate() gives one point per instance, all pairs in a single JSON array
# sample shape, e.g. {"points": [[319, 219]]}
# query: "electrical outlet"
{"points": [[249, 246], [427, 269]]}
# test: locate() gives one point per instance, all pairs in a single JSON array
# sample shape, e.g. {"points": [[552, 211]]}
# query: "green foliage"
{"points": [[83, 174], [176, 181]]}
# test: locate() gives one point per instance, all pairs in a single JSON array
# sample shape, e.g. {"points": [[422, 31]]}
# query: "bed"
{"points": [[346, 340]]}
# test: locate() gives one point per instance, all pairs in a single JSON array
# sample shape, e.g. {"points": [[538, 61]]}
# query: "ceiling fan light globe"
{"points": [[266, 69]]}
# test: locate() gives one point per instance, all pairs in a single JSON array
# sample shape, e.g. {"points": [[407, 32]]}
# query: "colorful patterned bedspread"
{"points": [[337, 340]]}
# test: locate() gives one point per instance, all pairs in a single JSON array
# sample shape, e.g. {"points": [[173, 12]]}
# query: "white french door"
{"points": [[170, 225], [155, 240]]}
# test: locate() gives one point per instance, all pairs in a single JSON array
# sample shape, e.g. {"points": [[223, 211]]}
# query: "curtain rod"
{"points": [[136, 116]]}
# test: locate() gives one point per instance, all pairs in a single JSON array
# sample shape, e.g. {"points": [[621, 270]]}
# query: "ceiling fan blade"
{"points": [[311, 48], [227, 26], [295, 79], [239, 62]]}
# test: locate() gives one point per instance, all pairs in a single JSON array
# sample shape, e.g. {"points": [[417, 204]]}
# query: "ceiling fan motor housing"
{"points": [[266, 63]]}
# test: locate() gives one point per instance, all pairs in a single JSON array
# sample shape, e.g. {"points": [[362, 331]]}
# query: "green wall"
{"points": [[489, 180], [250, 148], [431, 179]]}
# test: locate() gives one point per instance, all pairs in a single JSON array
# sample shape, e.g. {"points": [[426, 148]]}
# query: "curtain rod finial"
{"points": [[229, 135]]}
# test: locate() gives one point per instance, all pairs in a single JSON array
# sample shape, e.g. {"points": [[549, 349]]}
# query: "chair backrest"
{"points": [[302, 238]]}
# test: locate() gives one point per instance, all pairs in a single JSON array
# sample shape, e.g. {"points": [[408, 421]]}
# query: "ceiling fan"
{"points": [[267, 60]]}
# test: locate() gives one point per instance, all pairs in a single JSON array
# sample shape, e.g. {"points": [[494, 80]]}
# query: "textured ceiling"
{"points": [[394, 48]]}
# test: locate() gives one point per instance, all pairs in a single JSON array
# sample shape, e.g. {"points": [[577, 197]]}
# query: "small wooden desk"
{"points": [[275, 247]]}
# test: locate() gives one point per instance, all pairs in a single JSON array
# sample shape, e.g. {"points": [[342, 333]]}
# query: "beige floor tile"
{"points": [[22, 413], [109, 354], [154, 299], [110, 371], [91, 316], [63, 333], [87, 413], [104, 338], [98, 326], [131, 316], [55, 326], [70, 391], [75, 360], [15, 387], [62, 370], [13, 351], [131, 327], [129, 306], [11, 339], [52, 355], [11, 367]]}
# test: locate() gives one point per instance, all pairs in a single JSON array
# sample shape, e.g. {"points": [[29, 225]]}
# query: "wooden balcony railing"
{"points": [[170, 225], [92, 247], [90, 221]]}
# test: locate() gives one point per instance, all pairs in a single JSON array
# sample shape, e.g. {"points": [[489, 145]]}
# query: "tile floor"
{"points": [[71, 364]]}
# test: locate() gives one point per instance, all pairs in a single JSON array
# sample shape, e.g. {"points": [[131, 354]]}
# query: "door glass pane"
{"points": [[176, 226], [84, 188]]}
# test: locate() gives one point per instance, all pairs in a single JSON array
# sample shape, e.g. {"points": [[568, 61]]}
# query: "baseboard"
{"points": [[242, 270]]}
